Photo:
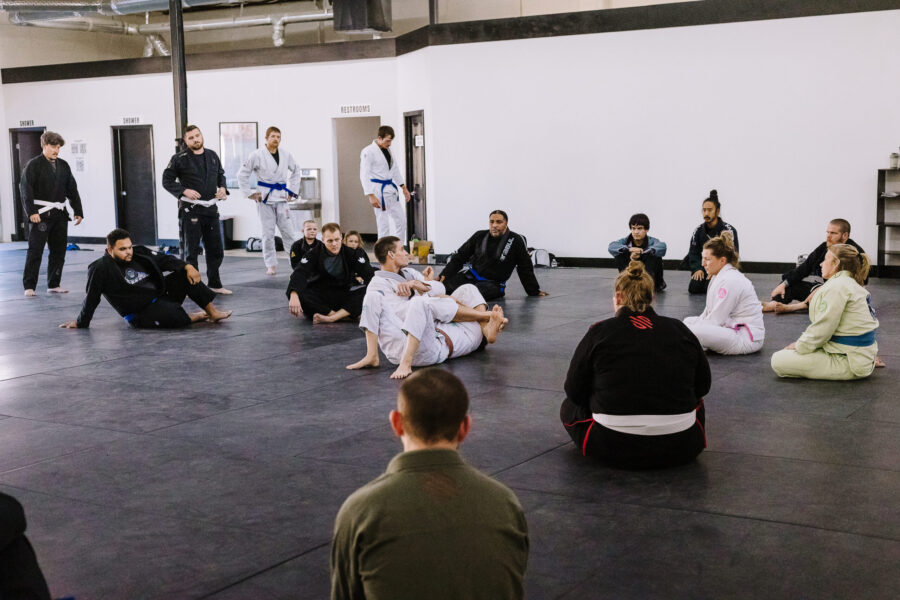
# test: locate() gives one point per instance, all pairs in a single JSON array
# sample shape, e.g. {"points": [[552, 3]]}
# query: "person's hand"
{"points": [[255, 196], [294, 305], [779, 290], [78, 220], [35, 218], [374, 201], [441, 279], [699, 275], [791, 346], [193, 275], [69, 325], [406, 193], [636, 253], [221, 194], [191, 194], [428, 274]]}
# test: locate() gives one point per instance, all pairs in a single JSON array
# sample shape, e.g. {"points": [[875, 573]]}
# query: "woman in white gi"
{"points": [[382, 182], [278, 179], [839, 343], [732, 322]]}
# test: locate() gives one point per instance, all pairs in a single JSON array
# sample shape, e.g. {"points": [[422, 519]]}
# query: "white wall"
{"points": [[788, 119]]}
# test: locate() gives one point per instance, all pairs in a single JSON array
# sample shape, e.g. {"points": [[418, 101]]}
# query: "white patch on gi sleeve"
{"points": [[303, 260]]}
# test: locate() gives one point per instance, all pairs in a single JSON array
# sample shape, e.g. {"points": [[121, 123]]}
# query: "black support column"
{"points": [[179, 72]]}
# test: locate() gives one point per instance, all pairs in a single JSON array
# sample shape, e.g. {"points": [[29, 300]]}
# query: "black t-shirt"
{"points": [[275, 156], [492, 243], [136, 276], [387, 156], [334, 265], [199, 162]]}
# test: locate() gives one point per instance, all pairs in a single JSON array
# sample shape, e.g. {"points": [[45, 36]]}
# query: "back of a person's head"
{"points": [[384, 246], [722, 246], [433, 403], [852, 261], [635, 287]]}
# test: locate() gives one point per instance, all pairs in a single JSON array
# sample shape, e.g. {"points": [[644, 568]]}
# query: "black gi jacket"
{"points": [[638, 364], [812, 266], [182, 168], [702, 235], [311, 271], [300, 248], [39, 182], [497, 268], [106, 279]]}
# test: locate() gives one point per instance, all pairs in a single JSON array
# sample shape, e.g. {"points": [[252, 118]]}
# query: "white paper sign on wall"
{"points": [[420, 141], [355, 109], [79, 155]]}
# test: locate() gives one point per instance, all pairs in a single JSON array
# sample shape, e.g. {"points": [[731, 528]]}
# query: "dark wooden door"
{"points": [[415, 174], [26, 144], [135, 183]]}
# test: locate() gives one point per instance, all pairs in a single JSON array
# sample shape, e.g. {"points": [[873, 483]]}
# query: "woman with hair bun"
{"points": [[840, 342], [635, 387], [732, 322]]}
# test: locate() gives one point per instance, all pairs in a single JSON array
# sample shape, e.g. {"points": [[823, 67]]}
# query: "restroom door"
{"points": [[351, 135], [26, 144], [135, 184], [415, 174]]}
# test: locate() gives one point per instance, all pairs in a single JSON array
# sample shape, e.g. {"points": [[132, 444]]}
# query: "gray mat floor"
{"points": [[210, 462]]}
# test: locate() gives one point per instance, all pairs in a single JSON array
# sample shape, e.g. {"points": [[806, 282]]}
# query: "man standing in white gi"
{"points": [[382, 182], [278, 176], [414, 322]]}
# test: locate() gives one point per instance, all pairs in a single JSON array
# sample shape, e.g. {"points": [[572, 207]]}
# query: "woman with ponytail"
{"points": [[732, 322], [635, 387], [840, 340]]}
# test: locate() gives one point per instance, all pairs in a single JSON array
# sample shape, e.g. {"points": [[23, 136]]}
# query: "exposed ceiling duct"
{"points": [[362, 15], [104, 7]]}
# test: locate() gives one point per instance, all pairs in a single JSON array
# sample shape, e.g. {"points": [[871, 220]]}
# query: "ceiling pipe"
{"points": [[158, 44], [104, 7], [278, 30]]}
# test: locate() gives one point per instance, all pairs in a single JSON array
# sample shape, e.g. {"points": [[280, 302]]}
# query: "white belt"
{"points": [[647, 424], [211, 202], [49, 205]]}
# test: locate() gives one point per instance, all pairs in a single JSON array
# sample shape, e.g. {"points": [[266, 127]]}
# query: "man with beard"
{"points": [[132, 281], [197, 179], [711, 227], [488, 258]]}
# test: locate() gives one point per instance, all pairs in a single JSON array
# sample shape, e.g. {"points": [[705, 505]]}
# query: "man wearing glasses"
{"points": [[640, 246]]}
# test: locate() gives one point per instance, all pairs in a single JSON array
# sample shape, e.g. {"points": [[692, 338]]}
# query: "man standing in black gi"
{"points": [[324, 287], [488, 258], [46, 183], [197, 179]]}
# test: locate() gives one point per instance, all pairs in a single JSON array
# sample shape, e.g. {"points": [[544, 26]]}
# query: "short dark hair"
{"points": [[271, 129], [331, 227], [501, 213], [115, 235], [639, 219], [385, 131], [51, 138], [714, 198], [434, 403], [189, 129], [383, 246], [843, 224]]}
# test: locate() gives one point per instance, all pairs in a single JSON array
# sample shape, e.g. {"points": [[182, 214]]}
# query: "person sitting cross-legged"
{"points": [[641, 247]]}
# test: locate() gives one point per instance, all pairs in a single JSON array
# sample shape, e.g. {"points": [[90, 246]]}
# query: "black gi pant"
{"points": [[796, 291], [54, 233], [20, 575], [490, 290], [652, 264], [206, 227], [166, 312], [698, 287], [324, 299], [629, 451]]}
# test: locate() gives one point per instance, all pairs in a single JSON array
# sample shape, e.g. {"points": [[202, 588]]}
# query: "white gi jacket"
{"points": [[373, 165], [285, 172], [731, 301]]}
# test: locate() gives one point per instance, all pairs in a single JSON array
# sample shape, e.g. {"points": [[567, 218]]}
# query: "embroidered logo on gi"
{"points": [[641, 322], [722, 293]]}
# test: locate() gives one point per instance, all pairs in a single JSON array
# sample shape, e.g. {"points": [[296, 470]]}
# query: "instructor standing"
{"points": [[382, 181], [197, 179], [47, 182]]}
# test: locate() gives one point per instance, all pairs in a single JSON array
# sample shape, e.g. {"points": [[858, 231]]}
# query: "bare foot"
{"points": [[58, 290], [222, 291], [270, 271], [198, 316], [879, 363], [402, 372], [219, 315], [30, 294], [330, 318], [495, 325], [789, 308], [769, 306], [365, 363]]}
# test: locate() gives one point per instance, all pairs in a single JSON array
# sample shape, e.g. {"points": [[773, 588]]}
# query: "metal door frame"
{"points": [[17, 201], [117, 164], [409, 144]]}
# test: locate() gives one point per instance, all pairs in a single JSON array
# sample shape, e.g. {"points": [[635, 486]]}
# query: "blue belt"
{"points": [[274, 186], [478, 277], [132, 316], [384, 183], [862, 340]]}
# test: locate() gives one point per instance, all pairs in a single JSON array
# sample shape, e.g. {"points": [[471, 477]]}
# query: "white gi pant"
{"points": [[392, 220], [424, 315], [723, 340], [271, 215]]}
